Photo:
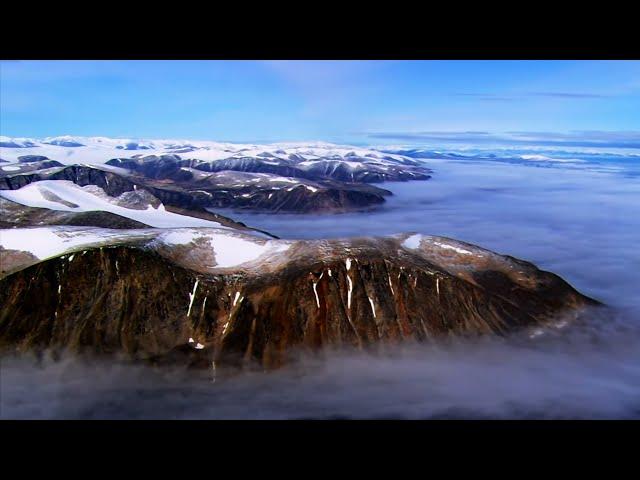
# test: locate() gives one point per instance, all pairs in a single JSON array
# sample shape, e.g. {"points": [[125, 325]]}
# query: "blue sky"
{"points": [[341, 101]]}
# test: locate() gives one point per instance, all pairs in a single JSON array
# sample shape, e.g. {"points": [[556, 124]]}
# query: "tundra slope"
{"points": [[206, 295]]}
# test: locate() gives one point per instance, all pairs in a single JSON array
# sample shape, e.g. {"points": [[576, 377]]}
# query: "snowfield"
{"points": [[52, 193]]}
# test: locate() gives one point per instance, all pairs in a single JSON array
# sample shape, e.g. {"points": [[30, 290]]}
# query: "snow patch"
{"points": [[413, 241], [197, 346], [451, 247]]}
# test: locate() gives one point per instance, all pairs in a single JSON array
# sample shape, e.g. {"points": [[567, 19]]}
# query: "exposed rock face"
{"points": [[153, 298]]}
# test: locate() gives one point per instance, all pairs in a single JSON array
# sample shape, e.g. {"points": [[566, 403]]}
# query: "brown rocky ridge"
{"points": [[222, 298]]}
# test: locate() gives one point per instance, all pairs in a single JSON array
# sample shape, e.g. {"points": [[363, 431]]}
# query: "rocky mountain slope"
{"points": [[221, 298]]}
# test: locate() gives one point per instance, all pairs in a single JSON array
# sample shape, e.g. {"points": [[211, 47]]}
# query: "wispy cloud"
{"points": [[569, 95], [492, 97], [587, 138], [487, 97]]}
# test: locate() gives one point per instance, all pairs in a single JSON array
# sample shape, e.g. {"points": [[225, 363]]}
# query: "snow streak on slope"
{"points": [[63, 195]]}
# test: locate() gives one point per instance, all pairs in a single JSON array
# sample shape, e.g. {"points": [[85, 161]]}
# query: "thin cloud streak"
{"points": [[593, 138], [569, 95], [491, 97], [486, 97]]}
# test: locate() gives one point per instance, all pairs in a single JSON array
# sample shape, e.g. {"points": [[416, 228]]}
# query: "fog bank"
{"points": [[587, 372]]}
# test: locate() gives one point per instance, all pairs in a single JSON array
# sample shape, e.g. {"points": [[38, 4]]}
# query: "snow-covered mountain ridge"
{"points": [[72, 149], [294, 177]]}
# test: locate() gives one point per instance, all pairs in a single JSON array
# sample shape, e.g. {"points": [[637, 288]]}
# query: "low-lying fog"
{"points": [[581, 223]]}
